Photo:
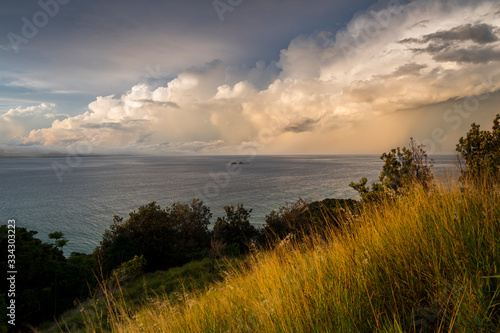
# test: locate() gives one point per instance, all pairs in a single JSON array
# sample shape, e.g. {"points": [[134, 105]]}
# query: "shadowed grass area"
{"points": [[109, 305]]}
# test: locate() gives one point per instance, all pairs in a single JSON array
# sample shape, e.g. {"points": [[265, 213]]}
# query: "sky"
{"points": [[245, 77]]}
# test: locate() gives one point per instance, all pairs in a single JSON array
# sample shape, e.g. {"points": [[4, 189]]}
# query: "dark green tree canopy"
{"points": [[165, 237], [59, 239], [235, 227], [37, 291]]}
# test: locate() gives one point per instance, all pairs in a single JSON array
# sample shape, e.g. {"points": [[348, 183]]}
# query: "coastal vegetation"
{"points": [[414, 255], [417, 263]]}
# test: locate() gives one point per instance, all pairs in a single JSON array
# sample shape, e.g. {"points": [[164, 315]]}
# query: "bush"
{"points": [[402, 169], [481, 152], [290, 219], [129, 270], [302, 218]]}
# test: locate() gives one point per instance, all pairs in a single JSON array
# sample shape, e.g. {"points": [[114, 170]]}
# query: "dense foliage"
{"points": [[47, 283], [164, 237], [174, 236]]}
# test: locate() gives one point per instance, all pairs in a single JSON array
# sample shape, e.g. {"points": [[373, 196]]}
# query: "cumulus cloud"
{"points": [[17, 123], [329, 86]]}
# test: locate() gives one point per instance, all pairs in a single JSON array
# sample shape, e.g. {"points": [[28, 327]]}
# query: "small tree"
{"points": [[481, 152], [402, 168], [59, 242], [235, 227], [191, 223]]}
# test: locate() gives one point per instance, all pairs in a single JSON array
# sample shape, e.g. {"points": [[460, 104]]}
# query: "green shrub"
{"points": [[402, 169], [130, 269], [481, 152]]}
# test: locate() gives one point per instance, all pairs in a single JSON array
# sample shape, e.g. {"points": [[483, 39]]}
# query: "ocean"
{"points": [[80, 195]]}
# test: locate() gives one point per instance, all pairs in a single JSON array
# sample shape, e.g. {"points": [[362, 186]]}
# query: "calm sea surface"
{"points": [[80, 197]]}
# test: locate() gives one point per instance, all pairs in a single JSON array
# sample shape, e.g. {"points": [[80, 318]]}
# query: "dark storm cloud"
{"points": [[433, 48], [448, 45], [469, 55], [408, 69], [477, 33]]}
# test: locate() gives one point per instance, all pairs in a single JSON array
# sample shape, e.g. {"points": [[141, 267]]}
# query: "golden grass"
{"points": [[419, 263]]}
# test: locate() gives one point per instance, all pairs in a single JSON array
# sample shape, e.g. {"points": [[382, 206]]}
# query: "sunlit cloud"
{"points": [[17, 123]]}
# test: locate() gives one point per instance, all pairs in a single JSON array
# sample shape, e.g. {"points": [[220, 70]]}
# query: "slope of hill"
{"points": [[418, 263]]}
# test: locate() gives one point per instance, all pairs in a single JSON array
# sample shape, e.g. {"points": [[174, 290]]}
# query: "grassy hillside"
{"points": [[419, 263]]}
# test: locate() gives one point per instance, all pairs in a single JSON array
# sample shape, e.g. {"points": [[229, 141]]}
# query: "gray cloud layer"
{"points": [[480, 33], [450, 45], [469, 55]]}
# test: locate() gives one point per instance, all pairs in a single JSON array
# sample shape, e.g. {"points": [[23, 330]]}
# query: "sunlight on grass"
{"points": [[418, 263]]}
